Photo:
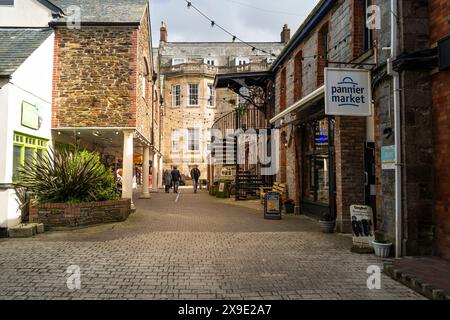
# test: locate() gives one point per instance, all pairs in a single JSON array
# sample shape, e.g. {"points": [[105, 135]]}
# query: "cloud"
{"points": [[251, 20]]}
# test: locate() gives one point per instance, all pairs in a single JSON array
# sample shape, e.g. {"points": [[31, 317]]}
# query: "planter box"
{"points": [[60, 216]]}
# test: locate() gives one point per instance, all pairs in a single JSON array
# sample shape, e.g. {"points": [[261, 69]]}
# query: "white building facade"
{"points": [[25, 101]]}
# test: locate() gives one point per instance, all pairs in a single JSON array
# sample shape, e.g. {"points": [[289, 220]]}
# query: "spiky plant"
{"points": [[23, 200], [68, 175]]}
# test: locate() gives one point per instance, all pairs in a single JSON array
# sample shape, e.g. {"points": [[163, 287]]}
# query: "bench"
{"points": [[281, 188]]}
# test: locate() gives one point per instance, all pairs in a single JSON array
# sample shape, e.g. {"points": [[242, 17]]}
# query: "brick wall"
{"points": [[93, 68], [440, 28], [350, 136], [302, 78], [56, 216]]}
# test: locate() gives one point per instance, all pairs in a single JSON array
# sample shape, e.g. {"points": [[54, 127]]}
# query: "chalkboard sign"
{"points": [[272, 206]]}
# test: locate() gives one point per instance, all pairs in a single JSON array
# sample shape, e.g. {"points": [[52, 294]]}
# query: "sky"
{"points": [[250, 20]]}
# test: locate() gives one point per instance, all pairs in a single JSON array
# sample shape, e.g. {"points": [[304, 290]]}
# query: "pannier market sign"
{"points": [[348, 92]]}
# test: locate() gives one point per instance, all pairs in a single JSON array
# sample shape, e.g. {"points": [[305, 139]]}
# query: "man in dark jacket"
{"points": [[176, 176], [195, 175]]}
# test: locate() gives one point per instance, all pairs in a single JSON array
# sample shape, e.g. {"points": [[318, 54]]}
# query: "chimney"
{"points": [[163, 33], [285, 34]]}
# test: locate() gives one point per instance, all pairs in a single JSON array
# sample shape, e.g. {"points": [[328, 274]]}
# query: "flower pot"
{"points": [[290, 208], [382, 249], [327, 226]]}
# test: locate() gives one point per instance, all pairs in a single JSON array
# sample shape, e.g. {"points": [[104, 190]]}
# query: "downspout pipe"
{"points": [[397, 128]]}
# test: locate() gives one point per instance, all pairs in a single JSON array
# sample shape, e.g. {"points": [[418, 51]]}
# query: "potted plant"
{"points": [[328, 223], [381, 247], [289, 205]]}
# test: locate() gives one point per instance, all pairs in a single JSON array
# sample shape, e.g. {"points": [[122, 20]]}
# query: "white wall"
{"points": [[32, 83], [25, 13]]}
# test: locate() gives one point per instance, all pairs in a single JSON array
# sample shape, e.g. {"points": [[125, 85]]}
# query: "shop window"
{"points": [[26, 150], [193, 94], [316, 161]]}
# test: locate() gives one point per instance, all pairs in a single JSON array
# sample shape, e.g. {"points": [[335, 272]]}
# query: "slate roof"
{"points": [[105, 11], [17, 44]]}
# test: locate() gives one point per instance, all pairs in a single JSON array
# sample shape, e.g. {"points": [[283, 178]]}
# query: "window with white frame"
{"points": [[210, 61], [240, 61], [176, 61], [176, 140], [193, 139], [176, 95], [6, 2], [193, 94], [211, 95]]}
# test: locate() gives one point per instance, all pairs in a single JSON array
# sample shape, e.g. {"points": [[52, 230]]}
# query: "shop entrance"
{"points": [[317, 168]]}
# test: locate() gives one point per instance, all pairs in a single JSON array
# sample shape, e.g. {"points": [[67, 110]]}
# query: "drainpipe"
{"points": [[397, 129]]}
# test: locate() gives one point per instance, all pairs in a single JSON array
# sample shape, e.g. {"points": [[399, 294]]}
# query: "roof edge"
{"points": [[319, 11]]}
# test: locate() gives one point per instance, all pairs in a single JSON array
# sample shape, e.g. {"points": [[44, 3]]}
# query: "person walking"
{"points": [[195, 175], [167, 180], [176, 175]]}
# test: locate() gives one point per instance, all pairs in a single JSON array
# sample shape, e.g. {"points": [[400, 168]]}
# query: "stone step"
{"points": [[26, 230]]}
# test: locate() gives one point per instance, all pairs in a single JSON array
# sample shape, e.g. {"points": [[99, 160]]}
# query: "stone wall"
{"points": [[94, 83], [144, 70], [56, 216], [416, 130]]}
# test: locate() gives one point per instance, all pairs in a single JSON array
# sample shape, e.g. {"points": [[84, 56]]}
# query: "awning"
{"points": [[311, 98]]}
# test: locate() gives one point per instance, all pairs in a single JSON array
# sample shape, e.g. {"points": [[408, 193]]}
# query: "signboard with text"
{"points": [[30, 116], [348, 92], [388, 157], [362, 225]]}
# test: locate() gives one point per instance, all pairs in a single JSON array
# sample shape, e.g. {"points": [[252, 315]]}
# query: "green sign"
{"points": [[30, 116], [388, 157]]}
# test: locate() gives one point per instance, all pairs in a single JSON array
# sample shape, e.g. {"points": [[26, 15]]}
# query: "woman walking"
{"points": [[167, 180]]}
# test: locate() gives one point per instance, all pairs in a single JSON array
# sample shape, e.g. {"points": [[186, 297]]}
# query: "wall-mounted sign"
{"points": [[30, 116], [362, 225], [388, 157], [348, 92]]}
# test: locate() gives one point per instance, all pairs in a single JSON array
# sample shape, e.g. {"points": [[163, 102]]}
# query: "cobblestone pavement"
{"points": [[197, 248]]}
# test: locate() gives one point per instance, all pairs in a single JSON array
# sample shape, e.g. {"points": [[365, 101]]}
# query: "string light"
{"points": [[234, 37]]}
